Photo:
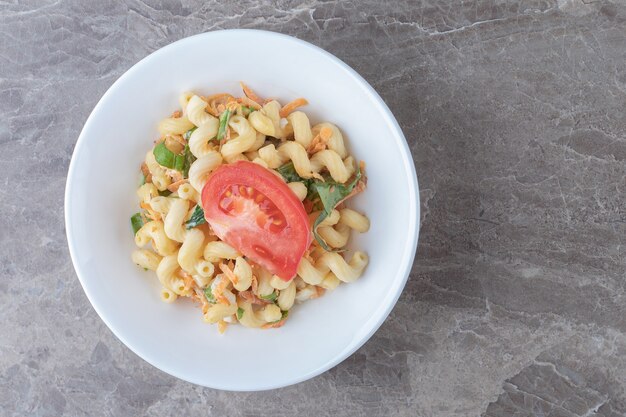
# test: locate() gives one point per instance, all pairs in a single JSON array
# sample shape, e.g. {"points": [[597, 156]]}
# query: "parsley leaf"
{"points": [[167, 158], [197, 218], [136, 221], [330, 194]]}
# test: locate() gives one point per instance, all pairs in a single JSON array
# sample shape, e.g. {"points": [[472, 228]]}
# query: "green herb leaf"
{"points": [[189, 159], [224, 118], [330, 194], [197, 218], [270, 297], [247, 110], [188, 133], [167, 158], [288, 172], [136, 221], [165, 193], [240, 312], [208, 293]]}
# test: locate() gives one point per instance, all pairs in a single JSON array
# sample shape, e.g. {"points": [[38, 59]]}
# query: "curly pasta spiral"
{"points": [[335, 142], [344, 271], [302, 133], [202, 167], [165, 272], [246, 137], [196, 111], [339, 170]]}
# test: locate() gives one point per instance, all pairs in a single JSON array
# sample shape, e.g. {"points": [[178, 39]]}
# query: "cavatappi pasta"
{"points": [[190, 261]]}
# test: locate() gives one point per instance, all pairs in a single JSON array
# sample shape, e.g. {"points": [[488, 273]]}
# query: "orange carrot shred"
{"points": [[288, 108], [173, 187], [249, 102], [250, 94]]}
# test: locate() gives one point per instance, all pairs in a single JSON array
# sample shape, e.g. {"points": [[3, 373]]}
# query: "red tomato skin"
{"points": [[279, 252]]}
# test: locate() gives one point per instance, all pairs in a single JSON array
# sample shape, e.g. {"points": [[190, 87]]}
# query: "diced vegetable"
{"points": [[167, 158], [270, 297], [240, 312], [208, 293], [197, 218], [224, 118], [136, 221], [189, 159]]}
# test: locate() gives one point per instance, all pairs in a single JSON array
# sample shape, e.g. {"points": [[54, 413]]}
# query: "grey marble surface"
{"points": [[515, 112]]}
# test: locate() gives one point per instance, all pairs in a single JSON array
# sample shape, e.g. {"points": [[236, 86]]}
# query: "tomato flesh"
{"points": [[255, 212]]}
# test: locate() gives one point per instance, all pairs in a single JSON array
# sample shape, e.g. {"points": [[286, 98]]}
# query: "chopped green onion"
{"points": [[208, 293], [240, 312], [224, 118]]}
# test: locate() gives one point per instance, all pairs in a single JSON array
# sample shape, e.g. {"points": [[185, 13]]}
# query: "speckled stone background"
{"points": [[515, 112]]}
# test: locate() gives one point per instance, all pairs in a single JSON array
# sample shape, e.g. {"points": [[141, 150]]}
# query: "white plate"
{"points": [[100, 198]]}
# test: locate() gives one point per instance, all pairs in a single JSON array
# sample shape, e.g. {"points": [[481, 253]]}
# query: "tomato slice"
{"points": [[255, 212]]}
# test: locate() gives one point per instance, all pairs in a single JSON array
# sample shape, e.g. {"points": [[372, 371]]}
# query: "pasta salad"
{"points": [[243, 208]]}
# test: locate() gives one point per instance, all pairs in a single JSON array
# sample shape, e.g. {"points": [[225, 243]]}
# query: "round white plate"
{"points": [[100, 198]]}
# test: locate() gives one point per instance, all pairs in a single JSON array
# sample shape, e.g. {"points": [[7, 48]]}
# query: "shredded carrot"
{"points": [[252, 298], [255, 284], [320, 141], [248, 102], [274, 325], [173, 187], [288, 108], [187, 279], [217, 100], [204, 302], [218, 292], [146, 172], [177, 114], [229, 273], [151, 214], [249, 93]]}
